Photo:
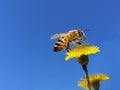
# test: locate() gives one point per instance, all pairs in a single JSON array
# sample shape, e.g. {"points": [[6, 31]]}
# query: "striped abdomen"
{"points": [[61, 43]]}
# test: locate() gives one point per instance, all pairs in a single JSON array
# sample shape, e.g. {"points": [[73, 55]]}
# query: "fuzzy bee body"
{"points": [[66, 38], [61, 43]]}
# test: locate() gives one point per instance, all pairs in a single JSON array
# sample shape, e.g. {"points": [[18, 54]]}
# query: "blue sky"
{"points": [[27, 60]]}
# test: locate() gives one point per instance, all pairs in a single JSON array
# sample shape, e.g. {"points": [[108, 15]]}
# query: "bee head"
{"points": [[81, 33]]}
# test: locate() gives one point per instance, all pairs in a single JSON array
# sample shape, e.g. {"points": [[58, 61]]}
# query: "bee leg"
{"points": [[68, 47], [79, 43]]}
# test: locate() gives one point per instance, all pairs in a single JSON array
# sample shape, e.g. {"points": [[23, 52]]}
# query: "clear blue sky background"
{"points": [[27, 60]]}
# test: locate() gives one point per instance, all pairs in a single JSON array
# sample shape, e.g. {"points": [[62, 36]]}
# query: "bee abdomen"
{"points": [[59, 45]]}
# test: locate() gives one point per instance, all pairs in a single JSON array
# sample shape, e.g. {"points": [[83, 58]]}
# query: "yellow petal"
{"points": [[93, 79], [80, 50]]}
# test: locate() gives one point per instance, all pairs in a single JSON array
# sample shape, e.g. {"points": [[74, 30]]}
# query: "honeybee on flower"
{"points": [[73, 36]]}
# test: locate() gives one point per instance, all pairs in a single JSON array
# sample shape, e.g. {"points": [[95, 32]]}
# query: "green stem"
{"points": [[96, 85], [86, 72], [83, 60]]}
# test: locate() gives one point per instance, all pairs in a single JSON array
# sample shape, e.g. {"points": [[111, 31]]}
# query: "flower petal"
{"points": [[83, 49]]}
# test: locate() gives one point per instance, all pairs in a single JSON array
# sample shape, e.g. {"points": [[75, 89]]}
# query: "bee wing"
{"points": [[57, 35]]}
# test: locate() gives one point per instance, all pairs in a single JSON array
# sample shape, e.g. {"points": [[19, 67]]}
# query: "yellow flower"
{"points": [[80, 50], [94, 81]]}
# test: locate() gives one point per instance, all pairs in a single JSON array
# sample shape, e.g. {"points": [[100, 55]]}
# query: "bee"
{"points": [[73, 36]]}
